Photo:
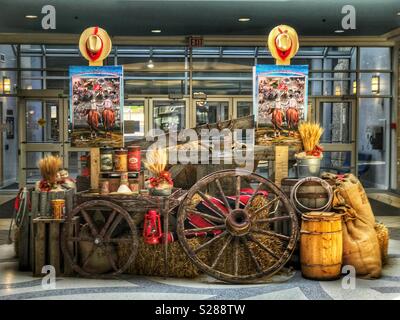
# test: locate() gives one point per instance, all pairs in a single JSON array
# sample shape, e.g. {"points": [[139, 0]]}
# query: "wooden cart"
{"points": [[236, 227]]}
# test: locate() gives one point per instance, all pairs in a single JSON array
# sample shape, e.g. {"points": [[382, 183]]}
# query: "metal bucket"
{"points": [[308, 167]]}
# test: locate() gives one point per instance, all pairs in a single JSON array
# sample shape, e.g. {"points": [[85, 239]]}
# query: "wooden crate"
{"points": [[41, 202], [47, 247]]}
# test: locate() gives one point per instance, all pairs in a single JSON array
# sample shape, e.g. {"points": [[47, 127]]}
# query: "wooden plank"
{"points": [[40, 248], [94, 168], [54, 247], [281, 163]]}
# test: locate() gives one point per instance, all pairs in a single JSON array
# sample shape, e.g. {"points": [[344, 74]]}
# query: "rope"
{"points": [[296, 202]]}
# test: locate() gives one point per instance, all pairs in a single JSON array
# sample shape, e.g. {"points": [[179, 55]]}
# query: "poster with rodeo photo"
{"points": [[280, 100], [96, 96]]}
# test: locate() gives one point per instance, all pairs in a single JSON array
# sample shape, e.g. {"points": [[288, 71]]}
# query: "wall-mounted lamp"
{"points": [[6, 85], [354, 87], [338, 91], [376, 84]]}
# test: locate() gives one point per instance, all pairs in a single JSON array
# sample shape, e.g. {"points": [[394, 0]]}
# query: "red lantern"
{"points": [[152, 227]]}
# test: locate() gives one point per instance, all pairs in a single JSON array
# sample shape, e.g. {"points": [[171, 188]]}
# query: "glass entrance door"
{"points": [[212, 110], [337, 117], [168, 115], [43, 130]]}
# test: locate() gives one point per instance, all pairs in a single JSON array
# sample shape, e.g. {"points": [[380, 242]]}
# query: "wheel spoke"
{"points": [[206, 229], [108, 223], [237, 200], [253, 196], [213, 207], [110, 257], [267, 205], [224, 198], [271, 233], [253, 257], [274, 219], [219, 255], [236, 257], [206, 244], [89, 221], [110, 230], [262, 246], [91, 252], [207, 216]]}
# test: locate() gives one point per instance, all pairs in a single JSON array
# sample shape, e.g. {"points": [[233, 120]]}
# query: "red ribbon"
{"points": [[95, 55], [164, 176], [282, 54]]}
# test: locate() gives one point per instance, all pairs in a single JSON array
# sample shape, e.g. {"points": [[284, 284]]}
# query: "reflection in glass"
{"points": [[211, 111], [169, 115], [133, 120], [335, 118]]}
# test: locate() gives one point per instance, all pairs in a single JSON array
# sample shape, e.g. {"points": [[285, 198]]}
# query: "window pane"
{"points": [[375, 58], [133, 120], [373, 142], [335, 118], [169, 115], [375, 83], [338, 162], [42, 121]]}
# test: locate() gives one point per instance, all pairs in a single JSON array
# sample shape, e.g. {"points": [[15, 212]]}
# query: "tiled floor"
{"points": [[21, 285]]}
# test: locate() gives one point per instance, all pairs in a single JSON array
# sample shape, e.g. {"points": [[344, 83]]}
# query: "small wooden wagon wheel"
{"points": [[237, 241], [98, 227]]}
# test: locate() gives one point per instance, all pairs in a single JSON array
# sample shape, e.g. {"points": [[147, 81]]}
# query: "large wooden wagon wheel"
{"points": [[237, 241], [98, 227]]}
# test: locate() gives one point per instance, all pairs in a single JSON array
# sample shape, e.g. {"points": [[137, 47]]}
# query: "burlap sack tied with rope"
{"points": [[360, 242]]}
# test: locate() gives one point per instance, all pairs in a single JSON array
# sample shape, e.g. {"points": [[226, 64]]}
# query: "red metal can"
{"points": [[134, 158]]}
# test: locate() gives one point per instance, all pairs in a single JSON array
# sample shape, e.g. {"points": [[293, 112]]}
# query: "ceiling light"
{"points": [[31, 16], [339, 31], [156, 31], [244, 19], [150, 64], [398, 13]]}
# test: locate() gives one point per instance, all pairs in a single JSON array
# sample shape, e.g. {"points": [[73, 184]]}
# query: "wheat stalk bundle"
{"points": [[49, 167], [156, 161], [310, 135]]}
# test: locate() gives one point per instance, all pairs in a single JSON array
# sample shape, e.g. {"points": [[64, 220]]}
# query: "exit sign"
{"points": [[196, 42]]}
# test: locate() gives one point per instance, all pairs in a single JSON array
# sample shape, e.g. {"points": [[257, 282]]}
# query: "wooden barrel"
{"points": [[311, 193], [321, 245]]}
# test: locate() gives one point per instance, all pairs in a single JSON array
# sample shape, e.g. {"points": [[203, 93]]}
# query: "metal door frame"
{"points": [[340, 147], [146, 104]]}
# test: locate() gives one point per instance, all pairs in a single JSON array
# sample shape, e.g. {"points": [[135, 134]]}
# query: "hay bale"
{"points": [[150, 259], [246, 264], [382, 233]]}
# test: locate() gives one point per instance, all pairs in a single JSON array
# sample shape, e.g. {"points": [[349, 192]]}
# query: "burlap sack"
{"points": [[352, 191], [360, 242]]}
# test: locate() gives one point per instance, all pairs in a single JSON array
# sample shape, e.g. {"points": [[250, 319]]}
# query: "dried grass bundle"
{"points": [[150, 259], [156, 161], [49, 167], [310, 135]]}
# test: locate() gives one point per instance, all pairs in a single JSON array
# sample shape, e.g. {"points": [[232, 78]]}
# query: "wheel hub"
{"points": [[238, 222]]}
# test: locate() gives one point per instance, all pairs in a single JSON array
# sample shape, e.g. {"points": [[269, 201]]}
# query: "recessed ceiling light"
{"points": [[244, 19], [156, 31], [339, 31], [398, 13], [31, 16]]}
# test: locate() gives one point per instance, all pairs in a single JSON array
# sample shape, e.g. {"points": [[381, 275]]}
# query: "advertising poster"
{"points": [[96, 100], [280, 100]]}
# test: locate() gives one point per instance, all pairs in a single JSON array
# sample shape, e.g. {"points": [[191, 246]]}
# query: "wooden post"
{"points": [[94, 168], [281, 163], [165, 213]]}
